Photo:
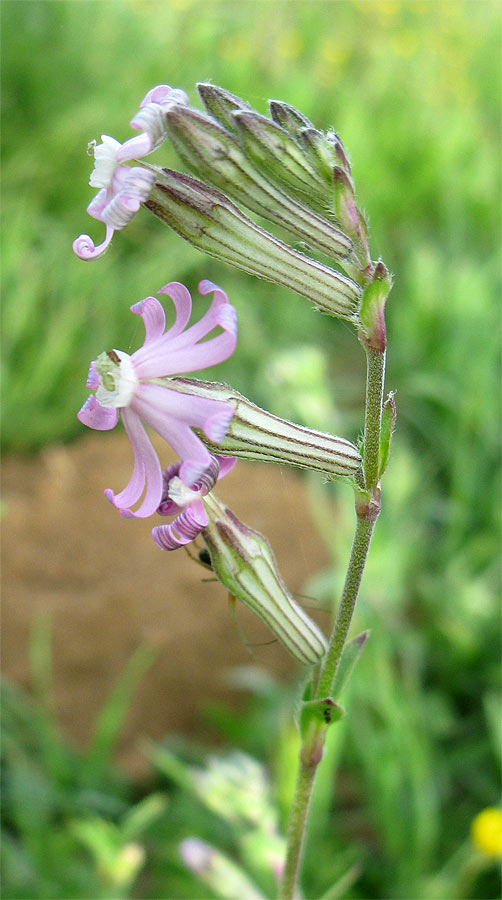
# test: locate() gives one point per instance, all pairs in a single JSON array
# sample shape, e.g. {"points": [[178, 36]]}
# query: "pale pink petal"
{"points": [[171, 415], [210, 320], [226, 465], [125, 202], [146, 468], [135, 148], [182, 303], [152, 313], [96, 416], [168, 507], [156, 94], [93, 378], [216, 426], [85, 248], [121, 175], [157, 405], [185, 528], [162, 94], [99, 202], [172, 356]]}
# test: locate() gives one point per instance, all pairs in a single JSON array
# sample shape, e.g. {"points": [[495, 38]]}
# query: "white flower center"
{"points": [[117, 379], [180, 494], [105, 162]]}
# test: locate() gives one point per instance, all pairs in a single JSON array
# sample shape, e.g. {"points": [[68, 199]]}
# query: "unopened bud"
{"points": [[320, 152], [349, 216], [256, 434], [288, 117], [372, 312], [210, 221], [243, 561], [279, 156], [221, 104], [216, 156]]}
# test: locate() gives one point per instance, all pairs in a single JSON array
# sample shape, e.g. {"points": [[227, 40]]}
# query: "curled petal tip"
{"points": [[110, 496], [85, 248], [226, 316], [206, 286]]}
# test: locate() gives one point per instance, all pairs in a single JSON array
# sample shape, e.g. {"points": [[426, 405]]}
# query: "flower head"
{"points": [[138, 386], [486, 831], [123, 188]]}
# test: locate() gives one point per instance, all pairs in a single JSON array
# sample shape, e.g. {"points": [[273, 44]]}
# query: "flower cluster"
{"points": [[123, 188], [287, 171], [138, 386]]}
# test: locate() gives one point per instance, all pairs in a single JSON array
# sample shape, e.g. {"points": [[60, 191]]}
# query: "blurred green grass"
{"points": [[413, 89]]}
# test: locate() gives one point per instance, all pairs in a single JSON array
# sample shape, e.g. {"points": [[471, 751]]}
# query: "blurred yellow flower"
{"points": [[486, 831], [388, 8], [333, 52], [234, 47], [289, 44]]}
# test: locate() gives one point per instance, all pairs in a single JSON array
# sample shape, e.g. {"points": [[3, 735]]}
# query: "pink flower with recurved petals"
{"points": [[124, 188], [187, 503], [138, 386]]}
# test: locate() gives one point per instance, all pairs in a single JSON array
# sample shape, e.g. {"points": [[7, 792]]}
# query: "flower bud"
{"points": [[280, 157], [216, 156], [210, 221], [221, 104], [288, 117], [256, 434], [243, 561], [371, 314], [324, 151]]}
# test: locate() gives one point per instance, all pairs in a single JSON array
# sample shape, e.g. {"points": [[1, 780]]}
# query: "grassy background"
{"points": [[413, 90]]}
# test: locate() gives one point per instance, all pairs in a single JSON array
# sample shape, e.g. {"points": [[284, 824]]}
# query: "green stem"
{"points": [[360, 547], [375, 376], [367, 514], [297, 829]]}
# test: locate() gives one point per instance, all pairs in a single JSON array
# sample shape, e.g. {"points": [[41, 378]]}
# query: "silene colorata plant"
{"points": [[297, 177]]}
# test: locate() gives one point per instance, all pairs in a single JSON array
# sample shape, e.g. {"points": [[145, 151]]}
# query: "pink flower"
{"points": [[187, 503], [138, 386], [123, 188]]}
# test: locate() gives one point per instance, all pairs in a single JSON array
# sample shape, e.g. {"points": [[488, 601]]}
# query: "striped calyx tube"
{"points": [[256, 434], [243, 561]]}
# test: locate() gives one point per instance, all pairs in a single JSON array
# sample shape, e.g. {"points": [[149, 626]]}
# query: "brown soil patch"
{"points": [[107, 588]]}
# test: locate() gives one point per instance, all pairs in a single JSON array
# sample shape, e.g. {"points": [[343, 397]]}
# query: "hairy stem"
{"points": [[375, 376], [367, 514], [360, 547], [297, 829]]}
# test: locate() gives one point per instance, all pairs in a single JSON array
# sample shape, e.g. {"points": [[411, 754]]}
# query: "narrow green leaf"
{"points": [[350, 655], [112, 716], [387, 428]]}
